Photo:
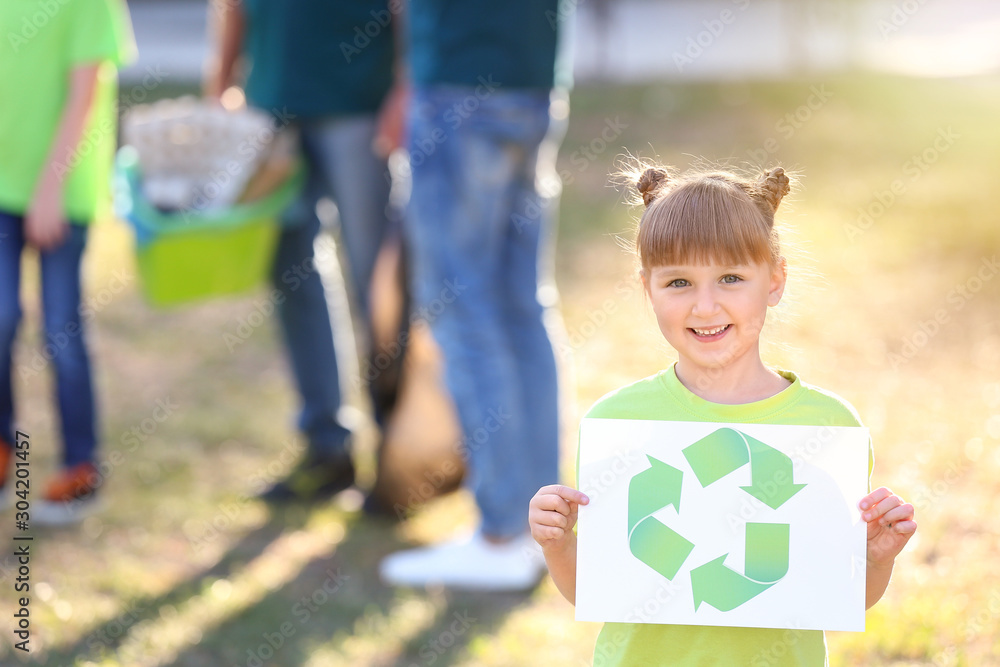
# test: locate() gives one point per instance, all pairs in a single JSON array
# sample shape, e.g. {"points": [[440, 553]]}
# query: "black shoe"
{"points": [[376, 508], [316, 478]]}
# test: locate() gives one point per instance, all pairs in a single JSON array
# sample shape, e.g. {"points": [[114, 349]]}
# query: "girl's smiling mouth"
{"points": [[712, 333]]}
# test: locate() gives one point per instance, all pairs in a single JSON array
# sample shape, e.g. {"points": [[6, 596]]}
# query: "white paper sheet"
{"points": [[800, 563]]}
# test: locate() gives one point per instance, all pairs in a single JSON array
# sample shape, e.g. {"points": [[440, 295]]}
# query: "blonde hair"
{"points": [[712, 216]]}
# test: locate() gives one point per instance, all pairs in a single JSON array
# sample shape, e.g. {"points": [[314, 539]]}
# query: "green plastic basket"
{"points": [[190, 256]]}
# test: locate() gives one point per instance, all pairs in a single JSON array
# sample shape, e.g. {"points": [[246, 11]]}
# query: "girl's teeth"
{"points": [[709, 332]]}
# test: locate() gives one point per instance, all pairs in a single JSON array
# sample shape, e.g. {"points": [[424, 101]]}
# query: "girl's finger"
{"points": [[567, 493], [904, 527], [874, 498], [549, 532], [898, 514], [882, 507], [554, 503]]}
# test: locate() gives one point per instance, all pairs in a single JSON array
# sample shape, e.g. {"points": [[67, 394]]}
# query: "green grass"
{"points": [[183, 569]]}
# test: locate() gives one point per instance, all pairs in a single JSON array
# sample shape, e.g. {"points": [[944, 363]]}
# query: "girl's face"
{"points": [[713, 314]]}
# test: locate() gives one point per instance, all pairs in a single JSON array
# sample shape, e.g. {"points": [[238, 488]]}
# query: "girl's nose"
{"points": [[705, 303]]}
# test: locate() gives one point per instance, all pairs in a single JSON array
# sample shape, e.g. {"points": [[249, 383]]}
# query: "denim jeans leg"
{"points": [[359, 183], [308, 333], [65, 336], [11, 245], [465, 187]]}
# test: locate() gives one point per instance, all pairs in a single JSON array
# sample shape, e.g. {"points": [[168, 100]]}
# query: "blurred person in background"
{"points": [[58, 119], [305, 63], [487, 113]]}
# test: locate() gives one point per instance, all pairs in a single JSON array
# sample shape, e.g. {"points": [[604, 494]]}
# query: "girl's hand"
{"points": [[552, 514], [890, 525]]}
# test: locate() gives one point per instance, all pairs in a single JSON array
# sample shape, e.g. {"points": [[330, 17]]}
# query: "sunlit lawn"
{"points": [[895, 310]]}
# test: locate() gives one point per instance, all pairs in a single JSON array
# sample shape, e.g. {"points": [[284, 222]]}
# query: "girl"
{"points": [[711, 267]]}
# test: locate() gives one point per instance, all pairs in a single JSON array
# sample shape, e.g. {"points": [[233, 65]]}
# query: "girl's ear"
{"points": [[644, 281], [779, 275]]}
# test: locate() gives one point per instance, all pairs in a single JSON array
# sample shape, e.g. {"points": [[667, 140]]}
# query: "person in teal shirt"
{"points": [[324, 67], [58, 123], [711, 267]]}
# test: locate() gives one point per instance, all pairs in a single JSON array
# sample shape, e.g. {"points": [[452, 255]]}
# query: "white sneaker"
{"points": [[64, 512], [470, 562]]}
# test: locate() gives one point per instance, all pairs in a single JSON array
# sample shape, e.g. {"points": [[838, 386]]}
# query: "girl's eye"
{"points": [[731, 278], [679, 282]]}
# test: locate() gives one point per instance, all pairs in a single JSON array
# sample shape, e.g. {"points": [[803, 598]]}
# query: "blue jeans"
{"points": [[477, 226], [343, 168], [65, 342]]}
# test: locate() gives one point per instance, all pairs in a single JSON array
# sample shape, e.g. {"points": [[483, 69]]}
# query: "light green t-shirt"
{"points": [[41, 41], [663, 397]]}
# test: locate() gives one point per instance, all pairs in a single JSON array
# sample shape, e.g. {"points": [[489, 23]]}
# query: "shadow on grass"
{"points": [[102, 641], [466, 616], [328, 602]]}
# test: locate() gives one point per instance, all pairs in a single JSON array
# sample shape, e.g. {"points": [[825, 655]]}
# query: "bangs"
{"points": [[711, 220]]}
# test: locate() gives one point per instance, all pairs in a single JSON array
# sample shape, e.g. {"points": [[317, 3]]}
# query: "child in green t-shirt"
{"points": [[711, 267], [57, 136]]}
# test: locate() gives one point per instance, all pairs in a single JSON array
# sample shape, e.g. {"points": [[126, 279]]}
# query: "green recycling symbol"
{"points": [[712, 458]]}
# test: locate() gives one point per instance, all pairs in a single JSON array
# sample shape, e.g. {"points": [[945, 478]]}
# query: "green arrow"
{"points": [[717, 454], [771, 475], [767, 551], [721, 587], [653, 489], [766, 563], [656, 545], [659, 547], [725, 450]]}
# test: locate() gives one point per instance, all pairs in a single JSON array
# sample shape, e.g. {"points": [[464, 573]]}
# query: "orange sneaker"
{"points": [[6, 455], [69, 497], [74, 483]]}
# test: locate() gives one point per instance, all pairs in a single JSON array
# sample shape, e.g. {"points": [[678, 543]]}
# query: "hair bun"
{"points": [[773, 185], [649, 184]]}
